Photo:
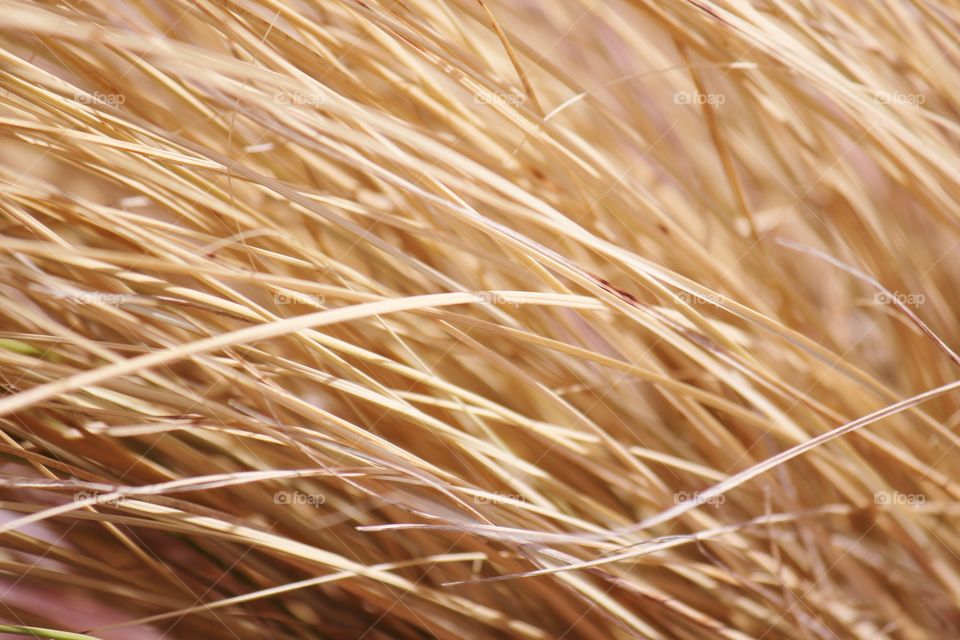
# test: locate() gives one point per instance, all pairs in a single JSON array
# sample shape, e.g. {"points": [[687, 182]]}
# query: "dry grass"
{"points": [[467, 319]]}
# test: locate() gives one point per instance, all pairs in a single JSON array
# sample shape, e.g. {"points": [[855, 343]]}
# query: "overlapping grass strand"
{"points": [[472, 319]]}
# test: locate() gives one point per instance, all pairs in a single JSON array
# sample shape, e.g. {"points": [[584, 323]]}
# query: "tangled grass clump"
{"points": [[452, 319]]}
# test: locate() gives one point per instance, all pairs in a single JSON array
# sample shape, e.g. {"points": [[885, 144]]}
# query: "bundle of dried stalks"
{"points": [[463, 319]]}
